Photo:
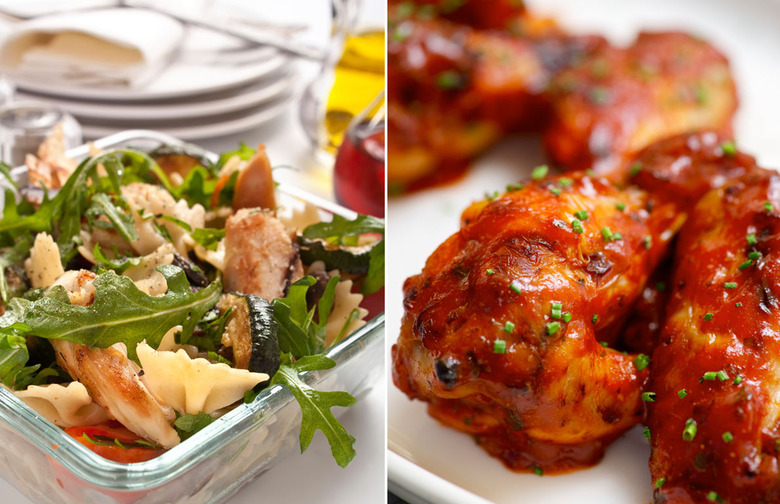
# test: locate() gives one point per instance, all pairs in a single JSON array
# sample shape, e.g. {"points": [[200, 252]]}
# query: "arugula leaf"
{"points": [[178, 222], [342, 231], [197, 187], [13, 345], [119, 266], [244, 152], [111, 208], [226, 192], [188, 424], [10, 257], [375, 278], [315, 406], [120, 312], [340, 228], [298, 333], [208, 237]]}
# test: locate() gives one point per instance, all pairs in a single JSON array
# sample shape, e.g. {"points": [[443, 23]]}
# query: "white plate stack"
{"points": [[210, 85]]}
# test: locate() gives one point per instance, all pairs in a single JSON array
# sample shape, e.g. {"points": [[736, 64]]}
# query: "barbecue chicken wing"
{"points": [[715, 422], [618, 101], [502, 329], [454, 91]]}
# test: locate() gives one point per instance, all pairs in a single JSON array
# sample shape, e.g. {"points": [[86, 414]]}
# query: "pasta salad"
{"points": [[145, 294]]}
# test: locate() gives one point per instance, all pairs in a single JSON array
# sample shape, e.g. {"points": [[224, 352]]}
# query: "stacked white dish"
{"points": [[211, 84]]}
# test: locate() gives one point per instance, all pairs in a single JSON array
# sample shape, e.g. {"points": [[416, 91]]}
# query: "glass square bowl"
{"points": [[49, 466]]}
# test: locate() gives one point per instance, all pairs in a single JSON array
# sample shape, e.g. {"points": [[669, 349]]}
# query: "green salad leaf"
{"points": [[188, 424], [11, 256], [208, 237], [315, 406], [244, 152], [120, 312], [340, 229], [344, 232], [299, 334]]}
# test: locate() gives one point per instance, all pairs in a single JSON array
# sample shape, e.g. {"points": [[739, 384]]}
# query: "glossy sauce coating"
{"points": [[722, 319], [453, 91], [556, 398], [618, 101]]}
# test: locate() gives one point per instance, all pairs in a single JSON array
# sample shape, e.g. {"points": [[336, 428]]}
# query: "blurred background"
{"points": [[303, 77]]}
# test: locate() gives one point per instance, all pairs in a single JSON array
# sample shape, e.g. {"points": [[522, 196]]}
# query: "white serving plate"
{"points": [[200, 128], [232, 100], [206, 63], [431, 463]]}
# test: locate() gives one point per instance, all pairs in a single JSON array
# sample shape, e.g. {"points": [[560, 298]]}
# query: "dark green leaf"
{"points": [[315, 407], [208, 237], [375, 278], [188, 424], [120, 312], [341, 228], [115, 209]]}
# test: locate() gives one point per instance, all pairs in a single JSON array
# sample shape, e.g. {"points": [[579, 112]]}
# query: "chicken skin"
{"points": [[454, 91], [618, 101], [715, 422], [503, 329]]}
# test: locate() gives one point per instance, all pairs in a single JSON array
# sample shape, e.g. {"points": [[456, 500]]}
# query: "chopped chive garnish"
{"points": [[648, 241], [620, 206], [746, 264], [555, 312], [730, 285], [539, 172], [751, 239], [682, 394], [660, 482], [594, 319], [566, 317], [713, 496], [556, 191], [606, 233], [660, 286], [581, 215], [509, 327], [646, 433], [738, 304], [515, 288], [689, 432], [590, 172], [489, 271], [708, 316], [514, 187], [648, 396], [499, 346], [728, 148], [641, 361], [538, 470], [712, 375], [636, 168], [553, 328], [618, 236], [603, 343], [754, 255], [576, 226], [728, 437], [768, 206], [565, 181], [737, 380]]}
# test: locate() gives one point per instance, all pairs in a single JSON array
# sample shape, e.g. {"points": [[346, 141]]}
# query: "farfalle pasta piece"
{"points": [[344, 303], [193, 385], [156, 201], [64, 406], [44, 265], [145, 274]]}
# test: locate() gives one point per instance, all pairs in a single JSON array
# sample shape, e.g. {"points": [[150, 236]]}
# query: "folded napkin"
{"points": [[96, 48]]}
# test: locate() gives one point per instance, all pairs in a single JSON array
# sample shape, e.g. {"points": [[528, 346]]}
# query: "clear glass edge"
{"points": [[105, 473]]}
